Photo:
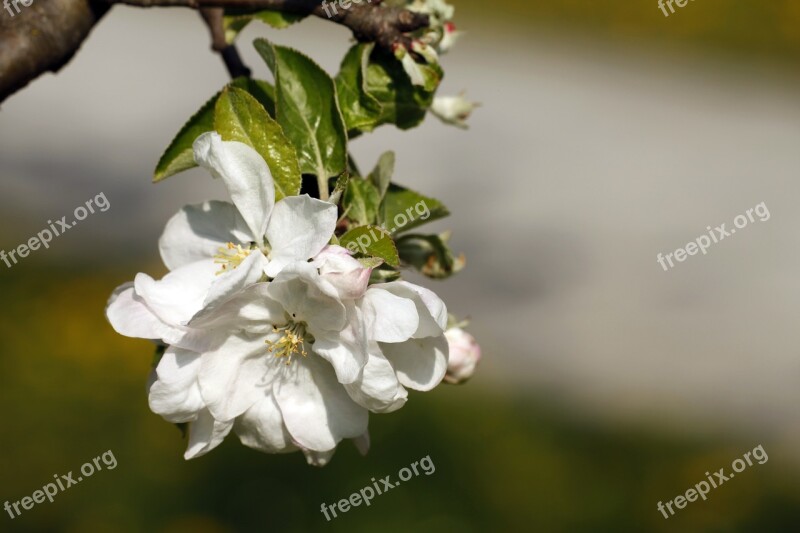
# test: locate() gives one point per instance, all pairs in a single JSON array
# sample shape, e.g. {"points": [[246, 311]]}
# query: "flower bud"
{"points": [[464, 355], [454, 110], [449, 37]]}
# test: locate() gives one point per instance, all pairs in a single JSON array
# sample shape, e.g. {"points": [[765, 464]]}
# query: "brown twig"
{"points": [[229, 53], [46, 36]]}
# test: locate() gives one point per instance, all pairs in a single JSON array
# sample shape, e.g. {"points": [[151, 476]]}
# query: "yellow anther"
{"points": [[230, 257], [290, 343]]}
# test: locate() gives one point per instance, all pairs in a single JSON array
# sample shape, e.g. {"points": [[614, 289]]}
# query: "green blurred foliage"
{"points": [[504, 461], [732, 26]]}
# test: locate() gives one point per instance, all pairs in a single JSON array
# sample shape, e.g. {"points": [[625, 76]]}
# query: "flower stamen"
{"points": [[230, 257], [290, 343]]}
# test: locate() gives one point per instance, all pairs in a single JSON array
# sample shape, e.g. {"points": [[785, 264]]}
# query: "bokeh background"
{"points": [[608, 133]]}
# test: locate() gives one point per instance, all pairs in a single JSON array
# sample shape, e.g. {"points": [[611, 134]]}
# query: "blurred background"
{"points": [[608, 133]]}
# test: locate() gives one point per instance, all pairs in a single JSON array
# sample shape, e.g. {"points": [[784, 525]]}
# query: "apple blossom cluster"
{"points": [[284, 318]]}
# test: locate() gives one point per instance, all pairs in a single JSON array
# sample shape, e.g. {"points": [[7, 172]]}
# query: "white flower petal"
{"points": [[420, 363], [261, 427], [346, 350], [197, 232], [318, 458], [130, 316], [299, 228], [391, 318], [252, 309], [225, 285], [205, 434], [246, 176], [307, 298], [362, 443], [377, 388], [431, 309], [175, 394], [180, 294], [316, 409], [236, 375]]}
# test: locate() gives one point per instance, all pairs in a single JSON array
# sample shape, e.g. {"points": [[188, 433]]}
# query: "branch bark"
{"points": [[229, 53], [44, 36]]}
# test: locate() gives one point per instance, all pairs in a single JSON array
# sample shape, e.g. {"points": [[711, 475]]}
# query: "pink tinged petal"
{"points": [[236, 375], [225, 285], [180, 294], [299, 228], [420, 363], [465, 353], [431, 309], [251, 309], [391, 318], [378, 388], [316, 409], [307, 298], [345, 273], [175, 394], [197, 232], [261, 428], [246, 176], [346, 350], [318, 458], [205, 434]]}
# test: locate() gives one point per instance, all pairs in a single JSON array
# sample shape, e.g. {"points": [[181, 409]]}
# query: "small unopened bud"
{"points": [[409, 65], [449, 37], [426, 51], [464, 355], [454, 110]]}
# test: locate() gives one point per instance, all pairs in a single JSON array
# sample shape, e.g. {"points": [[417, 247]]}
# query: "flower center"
{"points": [[290, 342], [230, 257]]}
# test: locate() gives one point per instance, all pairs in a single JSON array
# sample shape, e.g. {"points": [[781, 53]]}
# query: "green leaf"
{"points": [[402, 103], [307, 110], [381, 176], [233, 25], [339, 188], [430, 254], [179, 155], [383, 274], [371, 241], [361, 110], [361, 202], [261, 90], [278, 19], [240, 117], [403, 209], [235, 20]]}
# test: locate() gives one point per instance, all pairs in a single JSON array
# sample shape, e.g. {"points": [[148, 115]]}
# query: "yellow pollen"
{"points": [[290, 343], [230, 257]]}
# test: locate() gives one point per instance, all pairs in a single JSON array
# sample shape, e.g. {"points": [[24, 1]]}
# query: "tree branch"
{"points": [[44, 36], [230, 55]]}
